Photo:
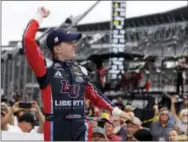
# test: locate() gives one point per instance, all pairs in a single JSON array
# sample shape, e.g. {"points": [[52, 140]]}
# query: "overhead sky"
{"points": [[16, 14]]}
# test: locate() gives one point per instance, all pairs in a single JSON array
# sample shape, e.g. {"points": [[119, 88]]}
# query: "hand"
{"points": [[34, 107], [16, 108], [131, 114], [43, 12], [173, 99], [155, 107], [127, 116]]}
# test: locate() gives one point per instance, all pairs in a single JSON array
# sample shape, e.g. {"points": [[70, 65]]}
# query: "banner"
{"points": [[117, 37], [20, 136]]}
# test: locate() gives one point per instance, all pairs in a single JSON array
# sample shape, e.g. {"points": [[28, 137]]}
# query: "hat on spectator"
{"points": [[99, 130], [60, 35], [105, 115], [104, 120], [135, 121], [143, 135]]}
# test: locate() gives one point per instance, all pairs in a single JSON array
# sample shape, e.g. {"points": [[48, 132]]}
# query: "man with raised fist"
{"points": [[63, 83]]}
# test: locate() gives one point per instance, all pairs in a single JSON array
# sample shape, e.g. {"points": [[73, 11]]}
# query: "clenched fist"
{"points": [[173, 99], [127, 116]]}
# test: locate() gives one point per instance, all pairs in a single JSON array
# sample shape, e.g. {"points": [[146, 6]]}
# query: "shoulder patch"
{"points": [[84, 70], [49, 62]]}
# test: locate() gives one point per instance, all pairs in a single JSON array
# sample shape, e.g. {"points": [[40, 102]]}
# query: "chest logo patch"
{"points": [[71, 90], [58, 74]]}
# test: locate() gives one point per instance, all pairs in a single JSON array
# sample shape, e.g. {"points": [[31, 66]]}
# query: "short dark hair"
{"points": [[27, 117], [163, 108]]}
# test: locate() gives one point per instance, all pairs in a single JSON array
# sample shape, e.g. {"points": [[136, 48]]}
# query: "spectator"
{"points": [[173, 135], [154, 118], [25, 123], [18, 114], [132, 127], [159, 129], [99, 134], [181, 66], [109, 127], [181, 123], [118, 129], [5, 122], [143, 135], [25, 119]]}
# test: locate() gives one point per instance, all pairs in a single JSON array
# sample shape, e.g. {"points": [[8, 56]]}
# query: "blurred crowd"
{"points": [[167, 124], [21, 117]]}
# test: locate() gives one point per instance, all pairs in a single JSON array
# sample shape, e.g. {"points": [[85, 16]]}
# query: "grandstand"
{"points": [[150, 38], [148, 32]]}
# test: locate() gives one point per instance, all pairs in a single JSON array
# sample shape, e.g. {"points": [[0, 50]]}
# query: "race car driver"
{"points": [[63, 83]]}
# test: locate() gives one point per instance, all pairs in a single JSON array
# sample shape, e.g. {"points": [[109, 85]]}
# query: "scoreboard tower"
{"points": [[117, 38]]}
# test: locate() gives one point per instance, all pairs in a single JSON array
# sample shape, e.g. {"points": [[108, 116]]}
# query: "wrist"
{"points": [[11, 110], [38, 18], [38, 112], [116, 111]]}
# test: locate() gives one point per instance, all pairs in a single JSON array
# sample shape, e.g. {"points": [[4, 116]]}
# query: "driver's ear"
{"points": [[56, 49]]}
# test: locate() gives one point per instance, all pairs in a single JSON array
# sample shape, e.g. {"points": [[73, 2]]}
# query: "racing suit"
{"points": [[63, 86]]}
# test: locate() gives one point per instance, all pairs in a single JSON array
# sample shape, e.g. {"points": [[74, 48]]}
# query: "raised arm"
{"points": [[35, 108], [32, 51], [173, 109]]}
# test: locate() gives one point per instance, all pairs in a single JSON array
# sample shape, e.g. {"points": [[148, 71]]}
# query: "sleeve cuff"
{"points": [[38, 18], [116, 111]]}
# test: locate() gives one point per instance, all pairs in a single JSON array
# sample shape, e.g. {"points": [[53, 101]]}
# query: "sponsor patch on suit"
{"points": [[78, 73], [58, 74], [79, 79]]}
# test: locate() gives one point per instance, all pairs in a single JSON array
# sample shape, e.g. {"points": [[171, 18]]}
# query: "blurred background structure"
{"points": [[136, 51]]}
